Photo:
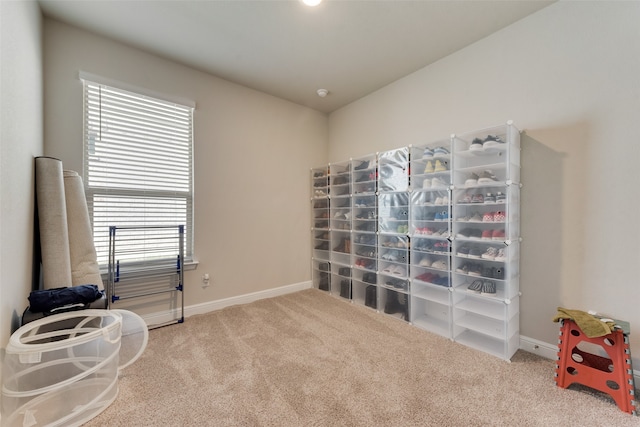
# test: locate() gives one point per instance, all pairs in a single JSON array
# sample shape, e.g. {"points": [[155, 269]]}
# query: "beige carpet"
{"points": [[310, 359]]}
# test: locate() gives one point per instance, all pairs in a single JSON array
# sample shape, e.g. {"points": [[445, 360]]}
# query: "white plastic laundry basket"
{"points": [[134, 337], [62, 370]]}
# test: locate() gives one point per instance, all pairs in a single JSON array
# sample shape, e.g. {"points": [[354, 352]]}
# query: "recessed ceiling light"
{"points": [[311, 2]]}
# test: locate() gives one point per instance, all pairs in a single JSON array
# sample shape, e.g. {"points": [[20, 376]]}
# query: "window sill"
{"points": [[191, 265]]}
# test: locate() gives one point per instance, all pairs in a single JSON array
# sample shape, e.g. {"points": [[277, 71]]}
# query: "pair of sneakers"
{"points": [[493, 216], [471, 198], [433, 183], [444, 200], [435, 199], [488, 198], [499, 197], [434, 279], [395, 270], [362, 166], [428, 231], [324, 246], [471, 217], [495, 254], [497, 234], [437, 264], [342, 215], [493, 272], [437, 166], [441, 216], [392, 256], [367, 264], [471, 269], [485, 177], [428, 277], [485, 287], [441, 246], [431, 152], [402, 229], [473, 252], [490, 142]]}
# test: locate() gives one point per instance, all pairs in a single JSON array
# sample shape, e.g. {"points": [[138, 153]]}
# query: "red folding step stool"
{"points": [[613, 375]]}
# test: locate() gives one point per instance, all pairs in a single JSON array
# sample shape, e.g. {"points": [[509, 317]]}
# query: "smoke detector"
{"points": [[322, 93]]}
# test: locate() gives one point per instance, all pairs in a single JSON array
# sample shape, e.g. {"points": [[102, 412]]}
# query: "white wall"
{"points": [[20, 141], [569, 76], [253, 153]]}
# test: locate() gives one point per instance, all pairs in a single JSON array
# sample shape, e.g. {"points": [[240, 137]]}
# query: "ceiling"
{"points": [[289, 50]]}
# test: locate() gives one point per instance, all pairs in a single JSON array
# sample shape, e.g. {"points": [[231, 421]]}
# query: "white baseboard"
{"points": [[550, 351], [155, 319], [546, 350]]}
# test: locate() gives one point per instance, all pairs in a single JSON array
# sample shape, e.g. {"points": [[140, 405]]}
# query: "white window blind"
{"points": [[138, 168]]}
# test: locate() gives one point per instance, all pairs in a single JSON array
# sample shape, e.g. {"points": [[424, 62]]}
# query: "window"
{"points": [[138, 168]]}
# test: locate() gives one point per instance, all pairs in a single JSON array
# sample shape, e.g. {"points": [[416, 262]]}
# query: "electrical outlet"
{"points": [[205, 280]]}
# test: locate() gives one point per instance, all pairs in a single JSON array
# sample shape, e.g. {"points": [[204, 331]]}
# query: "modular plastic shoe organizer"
{"points": [[62, 370]]}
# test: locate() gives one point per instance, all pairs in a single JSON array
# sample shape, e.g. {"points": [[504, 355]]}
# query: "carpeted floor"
{"points": [[310, 359]]}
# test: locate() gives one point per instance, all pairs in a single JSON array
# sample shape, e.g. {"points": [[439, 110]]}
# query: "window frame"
{"points": [[140, 193]]}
